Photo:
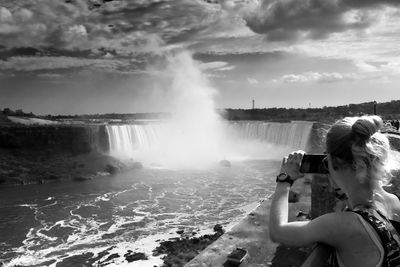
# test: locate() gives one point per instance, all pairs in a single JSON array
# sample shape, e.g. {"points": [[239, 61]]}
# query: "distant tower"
{"points": [[309, 105], [253, 103]]}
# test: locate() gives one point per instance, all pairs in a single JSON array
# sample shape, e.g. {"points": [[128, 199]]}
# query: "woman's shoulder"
{"points": [[339, 216], [393, 205], [393, 197], [339, 224], [343, 223], [337, 227]]}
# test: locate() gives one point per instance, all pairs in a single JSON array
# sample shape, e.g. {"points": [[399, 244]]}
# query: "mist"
{"points": [[195, 136], [194, 133]]}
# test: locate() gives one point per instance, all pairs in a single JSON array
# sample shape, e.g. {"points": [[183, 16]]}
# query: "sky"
{"points": [[104, 56]]}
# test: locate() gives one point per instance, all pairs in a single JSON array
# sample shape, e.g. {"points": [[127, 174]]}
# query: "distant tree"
{"points": [[8, 112], [19, 112]]}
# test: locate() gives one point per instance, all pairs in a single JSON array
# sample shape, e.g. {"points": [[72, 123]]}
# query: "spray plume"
{"points": [[192, 137], [195, 136]]}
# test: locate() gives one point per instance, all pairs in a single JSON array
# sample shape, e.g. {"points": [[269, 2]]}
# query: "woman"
{"points": [[358, 159]]}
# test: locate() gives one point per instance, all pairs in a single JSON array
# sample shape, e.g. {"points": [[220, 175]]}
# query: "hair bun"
{"points": [[366, 126]]}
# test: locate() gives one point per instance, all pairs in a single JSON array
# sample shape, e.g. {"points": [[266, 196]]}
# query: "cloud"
{"points": [[5, 15], [292, 20], [316, 77], [365, 67], [252, 81], [216, 66], [383, 71], [227, 68], [54, 63], [43, 23], [378, 72], [50, 75], [6, 75], [391, 68], [128, 27]]}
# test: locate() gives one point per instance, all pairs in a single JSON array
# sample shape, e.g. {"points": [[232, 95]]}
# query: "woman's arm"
{"points": [[324, 229], [299, 233], [279, 210]]}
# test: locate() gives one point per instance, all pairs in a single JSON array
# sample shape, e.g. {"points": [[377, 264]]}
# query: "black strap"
{"points": [[396, 224], [387, 233]]}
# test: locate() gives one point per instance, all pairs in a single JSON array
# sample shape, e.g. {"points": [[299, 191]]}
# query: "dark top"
{"points": [[388, 231], [396, 224], [388, 235]]}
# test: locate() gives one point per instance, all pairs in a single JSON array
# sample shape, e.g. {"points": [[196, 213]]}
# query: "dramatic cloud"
{"points": [[283, 20], [126, 26], [44, 23], [240, 45]]}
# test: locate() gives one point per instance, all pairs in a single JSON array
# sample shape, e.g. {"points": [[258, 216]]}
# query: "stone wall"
{"points": [[316, 141], [322, 196]]}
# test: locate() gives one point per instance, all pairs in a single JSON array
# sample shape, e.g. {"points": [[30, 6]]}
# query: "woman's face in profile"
{"points": [[338, 175], [333, 175]]}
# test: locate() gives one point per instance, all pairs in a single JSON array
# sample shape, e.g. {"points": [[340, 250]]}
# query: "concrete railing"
{"points": [[319, 256], [252, 232]]}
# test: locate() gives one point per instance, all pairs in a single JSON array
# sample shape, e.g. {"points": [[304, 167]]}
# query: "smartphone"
{"points": [[313, 163], [237, 256]]}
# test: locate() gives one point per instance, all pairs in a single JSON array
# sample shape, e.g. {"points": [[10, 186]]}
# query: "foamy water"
{"points": [[74, 223]]}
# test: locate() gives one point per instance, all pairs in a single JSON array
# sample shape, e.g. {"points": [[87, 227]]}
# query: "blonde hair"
{"points": [[357, 142]]}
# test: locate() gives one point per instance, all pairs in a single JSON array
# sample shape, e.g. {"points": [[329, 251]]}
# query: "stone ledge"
{"points": [[252, 234]]}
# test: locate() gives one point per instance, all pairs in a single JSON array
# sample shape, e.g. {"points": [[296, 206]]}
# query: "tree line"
{"points": [[387, 110]]}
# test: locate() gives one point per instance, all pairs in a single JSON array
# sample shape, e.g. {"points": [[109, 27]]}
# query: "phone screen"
{"points": [[312, 163]]}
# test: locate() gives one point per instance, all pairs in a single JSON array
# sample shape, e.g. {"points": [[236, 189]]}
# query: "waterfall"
{"points": [[124, 140], [294, 135], [153, 143]]}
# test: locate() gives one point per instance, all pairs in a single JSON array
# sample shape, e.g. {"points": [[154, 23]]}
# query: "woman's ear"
{"points": [[338, 164], [335, 162]]}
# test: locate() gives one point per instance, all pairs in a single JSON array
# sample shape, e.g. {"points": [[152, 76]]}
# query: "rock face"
{"points": [[135, 256], [55, 139], [51, 153]]}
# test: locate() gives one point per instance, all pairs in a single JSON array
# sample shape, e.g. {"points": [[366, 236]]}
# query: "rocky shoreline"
{"points": [[180, 251], [174, 252]]}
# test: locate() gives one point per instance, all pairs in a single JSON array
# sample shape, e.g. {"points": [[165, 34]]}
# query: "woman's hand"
{"points": [[291, 164]]}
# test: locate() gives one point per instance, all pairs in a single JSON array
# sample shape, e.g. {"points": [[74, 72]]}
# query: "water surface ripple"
{"points": [[86, 222]]}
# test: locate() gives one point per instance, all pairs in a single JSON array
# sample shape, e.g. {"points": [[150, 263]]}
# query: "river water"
{"points": [[70, 223]]}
